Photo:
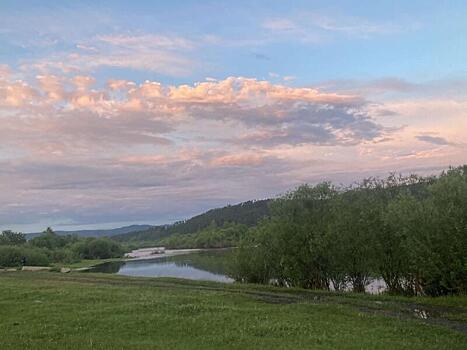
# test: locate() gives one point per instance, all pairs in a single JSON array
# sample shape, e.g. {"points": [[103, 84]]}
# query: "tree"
{"points": [[49, 239], [9, 237]]}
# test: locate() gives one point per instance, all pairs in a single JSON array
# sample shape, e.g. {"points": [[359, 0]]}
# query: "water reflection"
{"points": [[212, 265], [209, 266]]}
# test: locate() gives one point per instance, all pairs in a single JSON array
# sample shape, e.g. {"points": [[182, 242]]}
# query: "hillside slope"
{"points": [[97, 233], [246, 213]]}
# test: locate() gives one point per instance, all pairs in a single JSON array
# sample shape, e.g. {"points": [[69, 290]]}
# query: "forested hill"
{"points": [[96, 233], [246, 213]]}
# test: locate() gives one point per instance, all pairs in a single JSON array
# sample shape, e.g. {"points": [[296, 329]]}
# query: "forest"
{"points": [[247, 213], [213, 236]]}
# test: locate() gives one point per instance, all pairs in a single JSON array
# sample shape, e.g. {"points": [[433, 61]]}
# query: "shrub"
{"points": [[411, 231], [97, 248], [11, 256], [12, 238]]}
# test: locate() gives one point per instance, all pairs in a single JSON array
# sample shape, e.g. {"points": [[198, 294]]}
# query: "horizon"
{"points": [[116, 113], [117, 225]]}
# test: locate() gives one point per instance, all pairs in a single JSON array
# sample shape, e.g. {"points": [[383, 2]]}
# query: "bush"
{"points": [[97, 248], [49, 239], [11, 256], [411, 231], [228, 235], [63, 255], [12, 238]]}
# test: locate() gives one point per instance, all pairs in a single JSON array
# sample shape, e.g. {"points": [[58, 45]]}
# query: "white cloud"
{"points": [[168, 55], [316, 27]]}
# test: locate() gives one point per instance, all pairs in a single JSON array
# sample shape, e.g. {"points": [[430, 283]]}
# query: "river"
{"points": [[208, 265]]}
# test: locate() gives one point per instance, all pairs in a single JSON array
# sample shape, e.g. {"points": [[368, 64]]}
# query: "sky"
{"points": [[122, 112]]}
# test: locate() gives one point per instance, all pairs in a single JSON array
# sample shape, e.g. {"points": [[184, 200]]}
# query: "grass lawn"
{"points": [[45, 310]]}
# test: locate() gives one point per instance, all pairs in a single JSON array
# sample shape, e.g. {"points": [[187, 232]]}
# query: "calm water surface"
{"points": [[211, 265], [204, 265]]}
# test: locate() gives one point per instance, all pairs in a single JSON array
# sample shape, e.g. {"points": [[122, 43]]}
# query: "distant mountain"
{"points": [[247, 213], [97, 233]]}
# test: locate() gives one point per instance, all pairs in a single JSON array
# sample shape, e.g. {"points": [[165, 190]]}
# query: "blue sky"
{"points": [[151, 111], [312, 40]]}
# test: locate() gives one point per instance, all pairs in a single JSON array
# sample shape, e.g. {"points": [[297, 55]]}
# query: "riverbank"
{"points": [[157, 252], [86, 264], [43, 310]]}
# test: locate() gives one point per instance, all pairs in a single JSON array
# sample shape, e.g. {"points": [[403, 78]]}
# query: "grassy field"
{"points": [[45, 310], [86, 263]]}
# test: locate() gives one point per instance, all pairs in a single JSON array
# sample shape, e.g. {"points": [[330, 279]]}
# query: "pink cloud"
{"points": [[52, 86], [242, 159], [136, 147], [79, 119], [83, 82], [145, 159], [252, 92], [5, 71], [16, 94]]}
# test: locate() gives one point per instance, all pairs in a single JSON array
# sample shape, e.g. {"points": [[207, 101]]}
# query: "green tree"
{"points": [[9, 237]]}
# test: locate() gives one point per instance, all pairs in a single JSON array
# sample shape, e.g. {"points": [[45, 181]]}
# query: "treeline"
{"points": [[213, 236], [247, 213], [50, 248], [409, 231]]}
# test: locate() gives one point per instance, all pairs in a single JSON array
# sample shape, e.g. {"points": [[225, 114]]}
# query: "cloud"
{"points": [[436, 140], [353, 25], [145, 41], [261, 56], [15, 93], [81, 151], [280, 24], [245, 159], [80, 118], [4, 71], [168, 55], [316, 27], [285, 78], [289, 78], [450, 88]]}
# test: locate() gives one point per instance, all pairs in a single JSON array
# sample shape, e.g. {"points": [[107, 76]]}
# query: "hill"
{"points": [[97, 233], [247, 213]]}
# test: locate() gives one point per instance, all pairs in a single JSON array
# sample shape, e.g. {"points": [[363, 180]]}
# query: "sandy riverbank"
{"points": [[155, 253]]}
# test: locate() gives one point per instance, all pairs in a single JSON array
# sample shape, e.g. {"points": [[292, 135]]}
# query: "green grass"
{"points": [[86, 263], [45, 310]]}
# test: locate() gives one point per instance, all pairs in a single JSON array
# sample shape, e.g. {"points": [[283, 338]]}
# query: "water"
{"points": [[204, 265], [210, 265], [376, 286]]}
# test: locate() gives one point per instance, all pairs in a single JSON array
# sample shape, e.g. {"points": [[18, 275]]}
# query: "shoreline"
{"points": [[141, 254], [149, 253]]}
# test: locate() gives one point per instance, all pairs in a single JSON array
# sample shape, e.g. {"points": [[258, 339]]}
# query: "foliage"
{"points": [[228, 235], [12, 256], [49, 239], [411, 231], [441, 240], [97, 248], [52, 248], [247, 213], [12, 238]]}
